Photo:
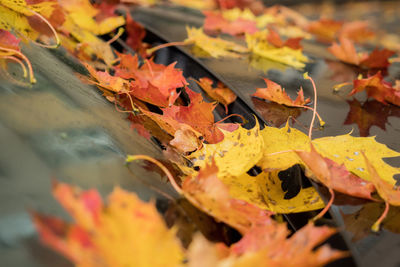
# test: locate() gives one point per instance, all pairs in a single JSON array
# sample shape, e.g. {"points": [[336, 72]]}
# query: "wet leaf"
{"points": [[275, 39], [205, 191], [83, 14], [239, 151], [215, 22], [325, 29], [265, 191], [136, 34], [377, 88], [346, 149], [275, 93], [258, 45], [279, 147], [221, 93], [346, 52], [153, 83], [268, 246], [108, 234], [214, 47], [334, 175]]}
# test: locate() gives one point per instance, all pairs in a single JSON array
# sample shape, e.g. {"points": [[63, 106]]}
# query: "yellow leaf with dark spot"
{"points": [[279, 145], [236, 154], [346, 149], [265, 191]]}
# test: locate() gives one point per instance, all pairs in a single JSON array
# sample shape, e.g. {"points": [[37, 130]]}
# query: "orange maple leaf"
{"points": [[275, 93], [325, 29], [107, 235], [221, 93], [346, 52]]}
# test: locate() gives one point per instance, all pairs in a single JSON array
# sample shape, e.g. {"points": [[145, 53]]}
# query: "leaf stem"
{"points": [[156, 48], [231, 115], [171, 179], [19, 62], [375, 227], [315, 106], [18, 53], [58, 42], [325, 210], [116, 36]]}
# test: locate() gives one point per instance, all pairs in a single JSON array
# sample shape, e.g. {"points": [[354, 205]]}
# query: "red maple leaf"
{"points": [[136, 33], [335, 176], [152, 83], [377, 88]]}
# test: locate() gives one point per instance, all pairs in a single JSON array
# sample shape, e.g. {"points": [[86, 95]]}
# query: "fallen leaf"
{"points": [[325, 29], [357, 31], [275, 39], [377, 88], [239, 151], [377, 59], [83, 14], [198, 114], [389, 192], [346, 52], [153, 83], [334, 176], [205, 191], [214, 47], [265, 191], [136, 33], [26, 18], [258, 45], [221, 93], [215, 22], [268, 246], [104, 80], [346, 149], [279, 146], [275, 93], [108, 234]]}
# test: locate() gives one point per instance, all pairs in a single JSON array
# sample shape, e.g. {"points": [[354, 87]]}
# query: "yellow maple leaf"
{"points": [[214, 47], [237, 13], [265, 191], [15, 14], [280, 145], [125, 232], [259, 46], [347, 150], [236, 154]]}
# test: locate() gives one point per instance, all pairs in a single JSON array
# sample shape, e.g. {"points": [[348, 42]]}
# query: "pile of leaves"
{"points": [[213, 157]]}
